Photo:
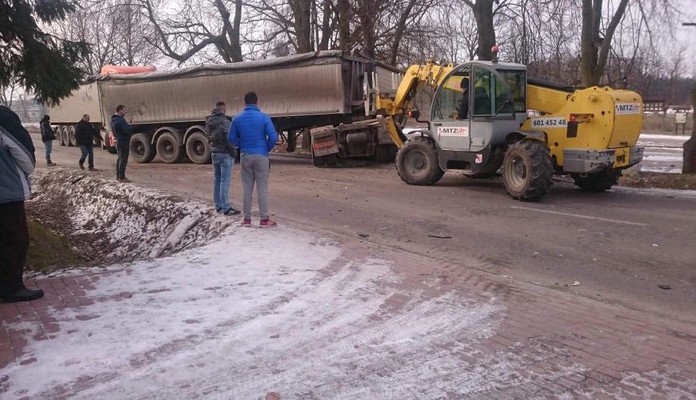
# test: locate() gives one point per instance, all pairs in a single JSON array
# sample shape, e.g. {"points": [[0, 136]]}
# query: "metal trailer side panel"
{"points": [[286, 92], [84, 100]]}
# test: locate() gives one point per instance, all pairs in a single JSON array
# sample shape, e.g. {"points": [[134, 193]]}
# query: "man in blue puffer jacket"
{"points": [[253, 132], [17, 162]]}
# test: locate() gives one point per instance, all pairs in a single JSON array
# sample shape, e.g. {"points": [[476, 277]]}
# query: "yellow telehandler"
{"points": [[488, 117]]}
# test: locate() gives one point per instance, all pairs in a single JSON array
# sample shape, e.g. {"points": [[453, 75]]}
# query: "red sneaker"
{"points": [[246, 223], [267, 223]]}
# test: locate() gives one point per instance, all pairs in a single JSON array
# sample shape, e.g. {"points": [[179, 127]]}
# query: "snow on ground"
{"points": [[261, 310], [122, 221]]}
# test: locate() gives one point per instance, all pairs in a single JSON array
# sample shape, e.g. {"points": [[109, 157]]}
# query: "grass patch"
{"points": [[48, 250]]}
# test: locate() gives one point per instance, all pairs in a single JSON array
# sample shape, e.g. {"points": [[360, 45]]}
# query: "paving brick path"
{"points": [[548, 345]]}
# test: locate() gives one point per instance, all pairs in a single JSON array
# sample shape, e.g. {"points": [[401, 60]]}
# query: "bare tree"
{"points": [[194, 27], [117, 33]]}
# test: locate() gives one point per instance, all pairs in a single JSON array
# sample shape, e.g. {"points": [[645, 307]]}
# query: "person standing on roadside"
{"points": [[84, 136], [253, 132], [17, 162], [223, 153], [47, 137], [122, 132]]}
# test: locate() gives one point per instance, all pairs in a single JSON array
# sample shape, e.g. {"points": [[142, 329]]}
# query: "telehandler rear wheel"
{"points": [[527, 170], [417, 164], [597, 182]]}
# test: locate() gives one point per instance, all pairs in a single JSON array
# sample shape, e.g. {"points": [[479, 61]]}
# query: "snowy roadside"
{"points": [[111, 222]]}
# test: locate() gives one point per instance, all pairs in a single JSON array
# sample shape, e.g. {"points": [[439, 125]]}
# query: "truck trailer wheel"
{"points": [[71, 136], [527, 170], [63, 135], [59, 135], [168, 148], [597, 182], [197, 148], [141, 149], [417, 164]]}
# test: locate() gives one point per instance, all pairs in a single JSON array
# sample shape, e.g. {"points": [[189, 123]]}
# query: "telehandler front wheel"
{"points": [[527, 170], [417, 163], [597, 182]]}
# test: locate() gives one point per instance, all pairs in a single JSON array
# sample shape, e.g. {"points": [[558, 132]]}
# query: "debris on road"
{"points": [[439, 236], [665, 287], [576, 283]]}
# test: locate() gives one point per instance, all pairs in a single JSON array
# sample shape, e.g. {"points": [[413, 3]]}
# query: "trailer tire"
{"points": [[72, 141], [168, 148], [597, 182], [59, 135], [141, 148], [197, 148], [63, 136], [527, 170], [417, 163]]}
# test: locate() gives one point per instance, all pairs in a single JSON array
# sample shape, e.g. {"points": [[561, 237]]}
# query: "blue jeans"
{"points": [[88, 154], [49, 146], [222, 167]]}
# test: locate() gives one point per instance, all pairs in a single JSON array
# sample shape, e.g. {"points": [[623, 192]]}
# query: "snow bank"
{"points": [[117, 221]]}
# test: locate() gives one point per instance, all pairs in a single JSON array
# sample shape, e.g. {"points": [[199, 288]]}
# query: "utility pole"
{"points": [[689, 157]]}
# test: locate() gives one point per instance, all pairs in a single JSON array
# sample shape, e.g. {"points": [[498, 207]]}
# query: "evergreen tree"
{"points": [[40, 62]]}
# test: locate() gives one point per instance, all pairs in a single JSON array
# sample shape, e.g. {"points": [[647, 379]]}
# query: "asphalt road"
{"points": [[618, 247]]}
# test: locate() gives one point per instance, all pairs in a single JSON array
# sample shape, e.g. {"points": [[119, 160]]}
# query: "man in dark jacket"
{"points": [[463, 109], [47, 137], [223, 153], [17, 162], [122, 132], [84, 136]]}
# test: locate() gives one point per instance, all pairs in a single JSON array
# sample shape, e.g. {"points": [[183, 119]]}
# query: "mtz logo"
{"points": [[627, 108]]}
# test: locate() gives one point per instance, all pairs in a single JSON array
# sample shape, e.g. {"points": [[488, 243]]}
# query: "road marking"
{"points": [[618, 221]]}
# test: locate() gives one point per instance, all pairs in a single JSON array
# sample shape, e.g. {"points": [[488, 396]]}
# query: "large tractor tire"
{"points": [[417, 162], [197, 148], [168, 148], [527, 170], [597, 182], [141, 149]]}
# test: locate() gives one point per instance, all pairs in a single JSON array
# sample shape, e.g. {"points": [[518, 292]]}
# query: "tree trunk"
{"points": [[594, 49], [344, 16], [689, 158], [483, 12], [302, 13]]}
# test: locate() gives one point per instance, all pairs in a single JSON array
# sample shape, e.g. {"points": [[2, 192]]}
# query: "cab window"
{"points": [[449, 96]]}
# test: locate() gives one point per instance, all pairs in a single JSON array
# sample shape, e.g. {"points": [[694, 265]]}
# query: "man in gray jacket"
{"points": [[17, 162], [223, 153]]}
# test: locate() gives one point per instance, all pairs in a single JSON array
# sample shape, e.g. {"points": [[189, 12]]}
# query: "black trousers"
{"points": [[14, 244], [122, 148]]}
